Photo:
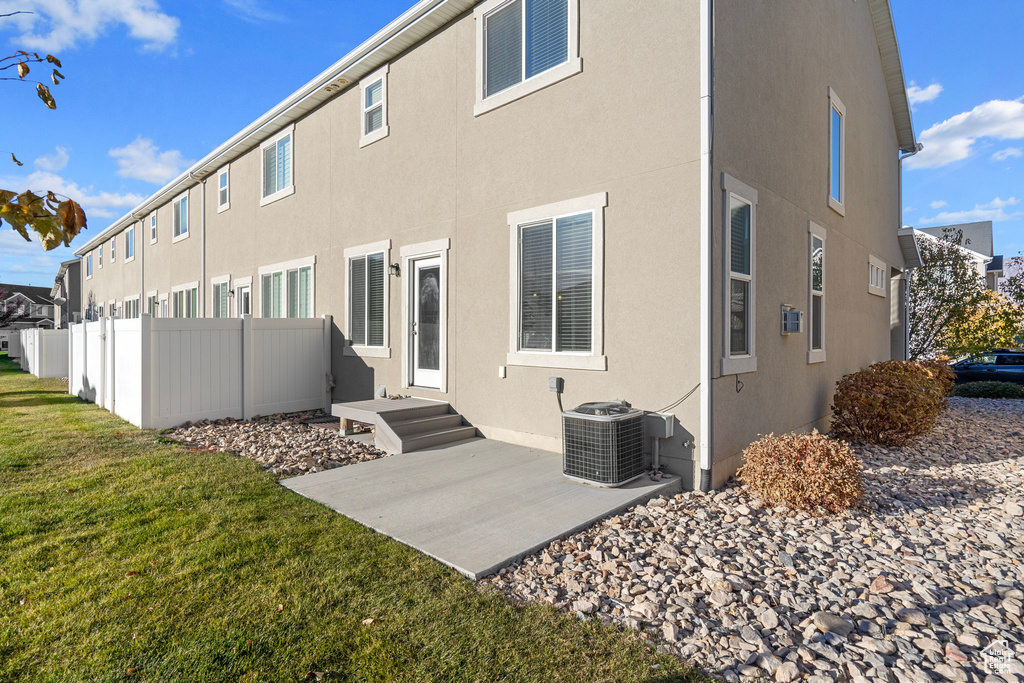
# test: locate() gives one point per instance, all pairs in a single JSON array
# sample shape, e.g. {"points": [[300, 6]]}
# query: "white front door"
{"points": [[426, 341]]}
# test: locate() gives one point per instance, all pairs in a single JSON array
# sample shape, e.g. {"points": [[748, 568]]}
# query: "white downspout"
{"points": [[706, 231], [202, 244]]}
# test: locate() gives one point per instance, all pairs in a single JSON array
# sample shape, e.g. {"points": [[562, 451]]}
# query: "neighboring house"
{"points": [[977, 239], [31, 307], [488, 194], [67, 290]]}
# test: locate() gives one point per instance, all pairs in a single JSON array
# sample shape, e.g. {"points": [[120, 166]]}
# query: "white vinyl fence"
{"points": [[161, 372], [44, 353]]}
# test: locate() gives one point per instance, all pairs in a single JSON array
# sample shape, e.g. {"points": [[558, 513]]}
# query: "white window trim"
{"points": [[835, 103], [415, 252], [113, 249], [129, 238], [188, 226], [153, 294], [88, 266], [281, 192], [559, 73], [382, 132], [220, 280], [238, 284], [138, 303], [881, 265], [225, 172], [283, 268], [737, 365], [595, 360], [153, 228], [815, 230], [178, 288], [362, 350]]}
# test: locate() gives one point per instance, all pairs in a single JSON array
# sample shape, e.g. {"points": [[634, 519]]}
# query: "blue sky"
{"points": [[152, 86]]}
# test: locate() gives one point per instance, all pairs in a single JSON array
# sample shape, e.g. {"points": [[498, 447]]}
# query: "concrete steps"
{"points": [[406, 425]]}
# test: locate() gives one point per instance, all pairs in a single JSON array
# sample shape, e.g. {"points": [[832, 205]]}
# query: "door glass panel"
{"points": [[428, 329]]}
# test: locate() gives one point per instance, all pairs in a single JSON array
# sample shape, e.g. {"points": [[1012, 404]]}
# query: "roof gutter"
{"points": [[278, 117], [706, 232]]}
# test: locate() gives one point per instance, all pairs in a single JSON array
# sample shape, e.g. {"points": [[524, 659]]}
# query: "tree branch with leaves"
{"points": [[56, 219]]}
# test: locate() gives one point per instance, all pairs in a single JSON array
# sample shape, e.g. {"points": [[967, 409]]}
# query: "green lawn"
{"points": [[124, 558]]}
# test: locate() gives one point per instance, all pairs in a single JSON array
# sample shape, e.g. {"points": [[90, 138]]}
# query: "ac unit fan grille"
{"points": [[604, 452]]}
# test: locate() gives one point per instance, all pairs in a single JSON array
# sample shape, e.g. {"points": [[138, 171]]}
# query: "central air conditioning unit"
{"points": [[603, 443]]}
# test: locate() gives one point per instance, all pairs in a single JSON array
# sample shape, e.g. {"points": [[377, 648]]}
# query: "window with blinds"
{"points": [[287, 293], [740, 276], [277, 166], [185, 303], [522, 39], [556, 285], [220, 300], [373, 112], [366, 300]]}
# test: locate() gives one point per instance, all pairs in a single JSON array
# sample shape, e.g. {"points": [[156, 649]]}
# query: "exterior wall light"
{"points": [[395, 269]]}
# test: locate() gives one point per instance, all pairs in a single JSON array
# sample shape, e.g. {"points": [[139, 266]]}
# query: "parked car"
{"points": [[998, 365]]}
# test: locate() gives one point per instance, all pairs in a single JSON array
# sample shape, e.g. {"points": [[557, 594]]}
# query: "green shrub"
{"points": [[890, 402], [809, 472], [989, 390]]}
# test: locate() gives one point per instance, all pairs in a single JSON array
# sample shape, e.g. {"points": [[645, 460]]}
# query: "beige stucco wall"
{"points": [[628, 126], [774, 64]]}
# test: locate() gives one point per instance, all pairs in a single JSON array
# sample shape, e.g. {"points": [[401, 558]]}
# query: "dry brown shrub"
{"points": [[810, 472], [890, 402]]}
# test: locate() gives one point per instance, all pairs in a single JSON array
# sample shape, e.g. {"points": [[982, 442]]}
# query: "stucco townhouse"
{"points": [[690, 205]]}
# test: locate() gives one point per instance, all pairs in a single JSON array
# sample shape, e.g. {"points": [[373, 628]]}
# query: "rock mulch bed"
{"points": [[912, 587], [283, 444]]}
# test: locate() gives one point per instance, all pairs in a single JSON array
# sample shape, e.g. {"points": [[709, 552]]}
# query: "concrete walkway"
{"points": [[476, 506]]}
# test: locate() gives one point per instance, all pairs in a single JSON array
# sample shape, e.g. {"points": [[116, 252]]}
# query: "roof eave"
{"points": [[908, 246], [892, 66]]}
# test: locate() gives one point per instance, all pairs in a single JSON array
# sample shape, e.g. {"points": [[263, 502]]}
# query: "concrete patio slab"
{"points": [[475, 506]]}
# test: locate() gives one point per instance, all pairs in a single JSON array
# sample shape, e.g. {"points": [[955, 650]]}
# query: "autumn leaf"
{"points": [[22, 69], [15, 160], [45, 96], [53, 60]]}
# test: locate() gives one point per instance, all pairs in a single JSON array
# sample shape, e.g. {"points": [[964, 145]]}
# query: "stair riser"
{"points": [[427, 425], [437, 439], [415, 413]]}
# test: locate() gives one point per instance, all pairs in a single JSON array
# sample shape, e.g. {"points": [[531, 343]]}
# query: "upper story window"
{"points": [[558, 282], [276, 161], [88, 265], [523, 46], [152, 228], [837, 153], [223, 195], [739, 297], [99, 256], [113, 248], [180, 209], [129, 245], [374, 90]]}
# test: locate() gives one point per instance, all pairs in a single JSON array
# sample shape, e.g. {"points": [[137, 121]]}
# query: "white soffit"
{"points": [[892, 66]]}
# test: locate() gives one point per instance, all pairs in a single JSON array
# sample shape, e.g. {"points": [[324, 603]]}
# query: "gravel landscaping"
{"points": [[910, 587], [289, 444]]}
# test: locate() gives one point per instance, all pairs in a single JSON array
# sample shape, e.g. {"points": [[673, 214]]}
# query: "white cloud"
{"points": [[954, 139], [1009, 152], [918, 95], [96, 204], [58, 25], [253, 11], [994, 211], [938, 204], [54, 162], [143, 160]]}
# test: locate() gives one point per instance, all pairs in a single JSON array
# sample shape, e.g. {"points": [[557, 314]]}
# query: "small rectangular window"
{"points": [[152, 228], [220, 306], [223, 195], [152, 305], [837, 153], [816, 288], [277, 168], [374, 123], [180, 208], [99, 256], [876, 276], [88, 265], [129, 245], [113, 248]]}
